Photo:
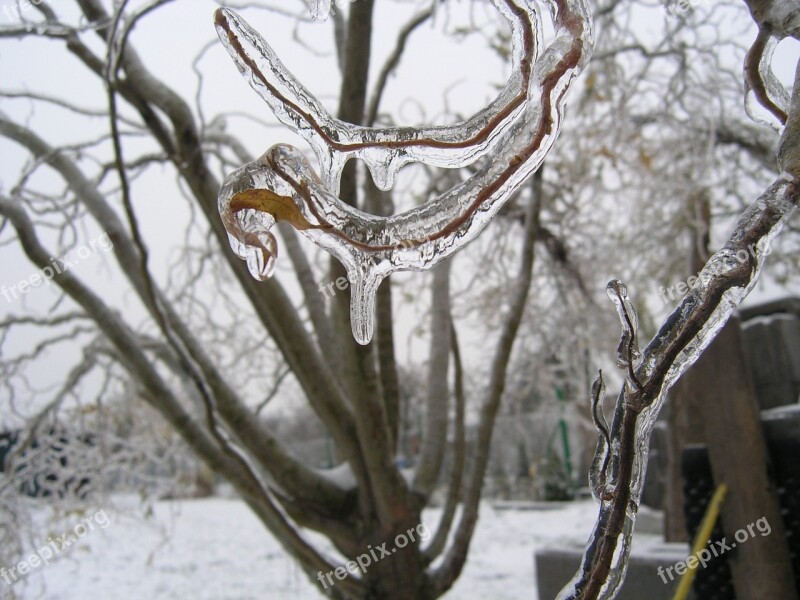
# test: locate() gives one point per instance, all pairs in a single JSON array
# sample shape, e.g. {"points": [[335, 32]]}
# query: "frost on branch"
{"points": [[384, 150], [517, 130]]}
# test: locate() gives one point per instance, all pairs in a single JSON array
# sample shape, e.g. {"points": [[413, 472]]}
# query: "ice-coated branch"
{"points": [[761, 85], [519, 128], [620, 462], [621, 459], [386, 149], [776, 20]]}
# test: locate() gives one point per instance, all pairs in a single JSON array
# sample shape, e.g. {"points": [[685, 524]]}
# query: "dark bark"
{"points": [[728, 411]]}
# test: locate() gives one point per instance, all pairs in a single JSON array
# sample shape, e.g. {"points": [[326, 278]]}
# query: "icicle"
{"points": [[363, 289], [519, 128]]}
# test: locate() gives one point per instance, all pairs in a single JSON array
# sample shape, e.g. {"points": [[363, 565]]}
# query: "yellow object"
{"points": [[701, 539]]}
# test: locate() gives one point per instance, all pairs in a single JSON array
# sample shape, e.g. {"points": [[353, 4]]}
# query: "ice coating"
{"points": [[597, 471], [519, 127], [617, 484], [384, 150], [766, 100], [628, 350], [320, 9]]}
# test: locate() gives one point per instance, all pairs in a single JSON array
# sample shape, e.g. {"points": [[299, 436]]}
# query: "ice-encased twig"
{"points": [[320, 9], [281, 185], [619, 466], [761, 86], [384, 149]]}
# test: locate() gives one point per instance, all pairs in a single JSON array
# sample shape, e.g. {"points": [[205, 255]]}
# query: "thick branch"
{"points": [[454, 560], [439, 540], [434, 439]]}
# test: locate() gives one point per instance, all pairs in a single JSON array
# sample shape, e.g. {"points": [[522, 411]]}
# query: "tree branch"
{"points": [[456, 556], [434, 440]]}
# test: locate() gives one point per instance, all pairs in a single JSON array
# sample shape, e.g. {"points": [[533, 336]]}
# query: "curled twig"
{"points": [[599, 419], [753, 73]]}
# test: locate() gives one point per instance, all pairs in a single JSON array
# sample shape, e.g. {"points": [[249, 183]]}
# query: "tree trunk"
{"points": [[401, 576], [729, 412], [684, 429]]}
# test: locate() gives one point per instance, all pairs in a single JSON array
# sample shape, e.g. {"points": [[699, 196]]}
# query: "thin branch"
{"points": [[391, 64], [459, 455], [454, 559]]}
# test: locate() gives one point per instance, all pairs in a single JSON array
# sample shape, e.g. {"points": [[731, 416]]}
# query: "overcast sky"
{"points": [[438, 74]]}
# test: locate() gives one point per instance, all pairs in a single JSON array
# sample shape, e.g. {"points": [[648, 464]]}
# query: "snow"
{"points": [[216, 549], [790, 411]]}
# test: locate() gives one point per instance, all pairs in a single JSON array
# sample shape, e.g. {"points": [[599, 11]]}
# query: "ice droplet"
{"points": [[320, 9], [518, 129]]}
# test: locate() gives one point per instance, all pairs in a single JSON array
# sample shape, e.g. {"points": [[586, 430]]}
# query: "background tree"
{"points": [[203, 359]]}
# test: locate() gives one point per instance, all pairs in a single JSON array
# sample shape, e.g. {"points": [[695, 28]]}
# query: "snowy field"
{"points": [[215, 549]]}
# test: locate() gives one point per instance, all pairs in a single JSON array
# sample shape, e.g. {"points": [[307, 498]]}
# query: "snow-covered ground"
{"points": [[215, 549]]}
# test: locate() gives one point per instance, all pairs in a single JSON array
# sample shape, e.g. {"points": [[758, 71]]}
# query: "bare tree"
{"points": [[193, 376], [352, 388]]}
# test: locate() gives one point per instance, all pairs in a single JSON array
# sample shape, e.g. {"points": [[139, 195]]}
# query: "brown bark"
{"points": [[683, 429], [685, 426], [728, 410]]}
